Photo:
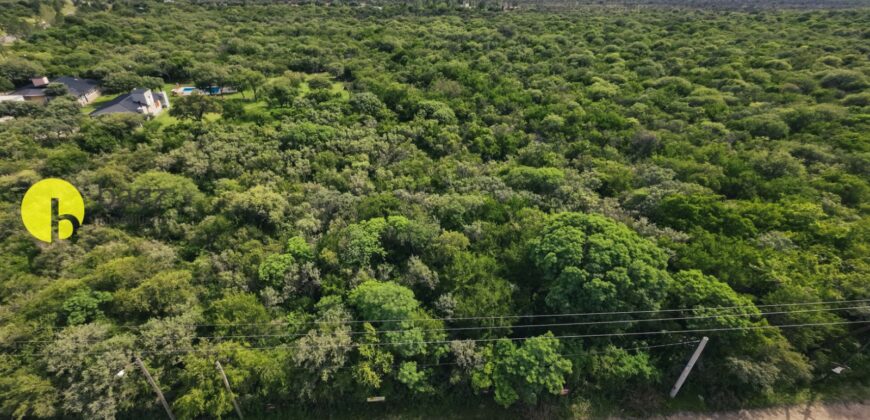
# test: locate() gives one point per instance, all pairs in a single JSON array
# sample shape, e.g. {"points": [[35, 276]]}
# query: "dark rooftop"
{"points": [[77, 87], [123, 103]]}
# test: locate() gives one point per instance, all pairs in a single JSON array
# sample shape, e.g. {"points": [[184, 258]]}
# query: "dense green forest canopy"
{"points": [[392, 190]]}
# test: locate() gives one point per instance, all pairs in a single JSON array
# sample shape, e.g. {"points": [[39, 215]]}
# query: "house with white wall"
{"points": [[138, 101]]}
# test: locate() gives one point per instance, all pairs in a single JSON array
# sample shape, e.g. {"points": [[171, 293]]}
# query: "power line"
{"points": [[566, 324], [286, 347], [622, 321], [281, 322], [426, 365], [593, 335], [448, 319], [560, 337], [681, 343]]}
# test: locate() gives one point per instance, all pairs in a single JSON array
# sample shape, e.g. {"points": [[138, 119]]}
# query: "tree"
{"points": [[522, 373], [86, 358], [202, 390], [160, 193], [194, 106], [770, 126], [124, 82], [26, 395], [413, 378], [6, 84], [375, 361], [595, 264], [325, 349], [110, 131], [238, 314], [539, 180], [848, 80], [368, 103], [56, 89], [616, 371], [259, 205], [19, 70], [404, 322], [244, 78], [167, 293], [282, 91], [319, 82], [387, 300], [686, 212], [208, 75], [756, 359], [84, 306]]}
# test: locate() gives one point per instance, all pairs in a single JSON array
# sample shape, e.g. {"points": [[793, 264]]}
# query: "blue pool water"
{"points": [[187, 89]]}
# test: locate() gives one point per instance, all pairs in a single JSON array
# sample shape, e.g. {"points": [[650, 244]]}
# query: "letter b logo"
{"points": [[48, 201]]}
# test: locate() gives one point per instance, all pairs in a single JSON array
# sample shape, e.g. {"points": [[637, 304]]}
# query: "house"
{"points": [[84, 90], [35, 91], [138, 101]]}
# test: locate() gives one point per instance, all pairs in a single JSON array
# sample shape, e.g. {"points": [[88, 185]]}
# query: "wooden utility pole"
{"points": [[688, 367], [156, 388], [220, 369]]}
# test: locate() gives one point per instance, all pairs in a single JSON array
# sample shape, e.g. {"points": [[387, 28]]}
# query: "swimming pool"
{"points": [[188, 89]]}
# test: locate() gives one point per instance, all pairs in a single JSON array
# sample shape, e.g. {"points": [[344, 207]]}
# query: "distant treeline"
{"points": [[557, 4]]}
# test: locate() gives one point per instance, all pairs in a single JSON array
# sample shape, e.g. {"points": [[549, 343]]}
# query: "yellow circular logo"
{"points": [[52, 202]]}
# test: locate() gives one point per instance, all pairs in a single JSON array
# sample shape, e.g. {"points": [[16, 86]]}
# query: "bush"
{"points": [[777, 65], [768, 125], [319, 82], [125, 82], [857, 99], [677, 85], [848, 80], [540, 180]]}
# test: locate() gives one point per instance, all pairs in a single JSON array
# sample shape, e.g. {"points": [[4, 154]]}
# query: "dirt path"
{"points": [[817, 411]]}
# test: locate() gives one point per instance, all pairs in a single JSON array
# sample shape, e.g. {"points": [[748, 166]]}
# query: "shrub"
{"points": [[767, 125], [848, 80], [857, 99]]}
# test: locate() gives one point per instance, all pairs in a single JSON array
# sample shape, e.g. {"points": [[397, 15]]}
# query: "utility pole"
{"points": [[220, 369], [689, 366], [156, 388]]}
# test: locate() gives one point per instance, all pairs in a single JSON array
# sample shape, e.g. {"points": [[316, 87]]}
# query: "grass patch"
{"points": [[68, 8], [165, 120], [256, 106]]}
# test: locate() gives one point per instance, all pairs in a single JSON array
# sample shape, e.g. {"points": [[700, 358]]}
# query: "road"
{"points": [[816, 411]]}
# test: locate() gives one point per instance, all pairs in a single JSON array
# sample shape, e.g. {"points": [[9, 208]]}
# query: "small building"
{"points": [[33, 92], [138, 101], [84, 90]]}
